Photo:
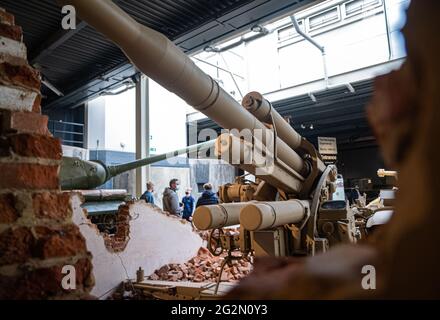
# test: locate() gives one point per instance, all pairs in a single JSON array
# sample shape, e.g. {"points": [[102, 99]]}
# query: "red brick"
{"points": [[84, 276], [16, 245], [45, 283], [114, 244], [119, 241], [14, 60], [6, 18], [23, 76], [8, 213], [12, 32], [28, 176], [55, 206], [30, 145], [204, 268], [23, 122], [63, 242], [37, 104]]}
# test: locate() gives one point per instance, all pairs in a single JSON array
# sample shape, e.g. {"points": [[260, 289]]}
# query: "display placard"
{"points": [[328, 149]]}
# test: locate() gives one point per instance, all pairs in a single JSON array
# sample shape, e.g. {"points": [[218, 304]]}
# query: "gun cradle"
{"points": [[290, 227], [289, 239]]}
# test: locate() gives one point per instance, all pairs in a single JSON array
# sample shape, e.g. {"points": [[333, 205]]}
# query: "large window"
{"points": [[359, 6], [324, 18]]}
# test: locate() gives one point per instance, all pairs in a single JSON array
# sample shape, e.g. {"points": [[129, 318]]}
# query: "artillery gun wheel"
{"points": [[215, 242]]}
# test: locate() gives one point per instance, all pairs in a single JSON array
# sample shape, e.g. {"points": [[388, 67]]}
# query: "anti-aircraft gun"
{"points": [[102, 205], [278, 214], [288, 210]]}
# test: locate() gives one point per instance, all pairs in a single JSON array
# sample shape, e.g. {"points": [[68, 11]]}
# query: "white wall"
{"points": [[120, 115], [168, 120], [111, 120], [262, 64], [96, 124]]}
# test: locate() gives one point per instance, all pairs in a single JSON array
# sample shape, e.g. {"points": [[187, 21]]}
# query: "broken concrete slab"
{"points": [[154, 239]]}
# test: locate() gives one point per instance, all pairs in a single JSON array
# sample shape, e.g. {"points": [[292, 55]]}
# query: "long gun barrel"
{"points": [[381, 173], [160, 59], [268, 215], [262, 109], [82, 174], [218, 215], [256, 104], [251, 215]]}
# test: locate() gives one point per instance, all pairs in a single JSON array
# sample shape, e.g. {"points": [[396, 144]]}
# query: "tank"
{"points": [[102, 205]]}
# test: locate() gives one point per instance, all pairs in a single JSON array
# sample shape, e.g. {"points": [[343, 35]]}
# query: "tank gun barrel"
{"points": [[82, 174], [120, 168]]}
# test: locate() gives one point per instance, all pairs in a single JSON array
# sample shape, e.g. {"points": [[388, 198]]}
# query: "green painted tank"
{"points": [[102, 205]]}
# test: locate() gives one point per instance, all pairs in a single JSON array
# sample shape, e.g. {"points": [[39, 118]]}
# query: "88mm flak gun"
{"points": [[289, 209]]}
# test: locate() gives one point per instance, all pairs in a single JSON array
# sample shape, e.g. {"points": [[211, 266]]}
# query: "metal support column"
{"points": [[86, 126], [142, 132]]}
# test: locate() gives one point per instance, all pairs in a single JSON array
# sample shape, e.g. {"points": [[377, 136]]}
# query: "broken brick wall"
{"points": [[118, 242], [148, 238], [37, 236]]}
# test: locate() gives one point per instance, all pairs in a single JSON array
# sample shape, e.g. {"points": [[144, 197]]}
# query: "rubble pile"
{"points": [[202, 233], [204, 267]]}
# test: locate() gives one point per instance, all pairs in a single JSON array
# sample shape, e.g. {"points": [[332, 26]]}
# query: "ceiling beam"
{"points": [[231, 23], [54, 41]]}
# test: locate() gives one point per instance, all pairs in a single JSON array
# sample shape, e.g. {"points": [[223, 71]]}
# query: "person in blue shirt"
{"points": [[148, 195], [188, 205], [208, 197]]}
